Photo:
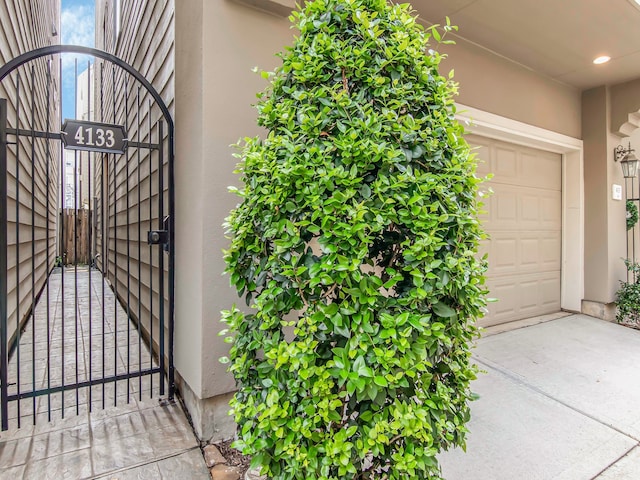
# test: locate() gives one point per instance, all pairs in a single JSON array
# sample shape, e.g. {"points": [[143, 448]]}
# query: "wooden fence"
{"points": [[74, 236]]}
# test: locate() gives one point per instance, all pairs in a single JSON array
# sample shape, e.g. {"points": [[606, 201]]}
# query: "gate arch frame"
{"points": [[7, 69]]}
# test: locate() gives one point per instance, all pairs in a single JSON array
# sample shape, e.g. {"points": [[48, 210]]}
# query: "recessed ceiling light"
{"points": [[601, 60]]}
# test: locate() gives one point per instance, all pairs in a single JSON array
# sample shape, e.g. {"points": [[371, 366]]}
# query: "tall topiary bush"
{"points": [[355, 243]]}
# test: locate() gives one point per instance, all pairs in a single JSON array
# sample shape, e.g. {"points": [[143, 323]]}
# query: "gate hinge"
{"points": [[160, 237]]}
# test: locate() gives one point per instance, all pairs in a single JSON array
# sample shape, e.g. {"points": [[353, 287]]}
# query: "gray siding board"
{"points": [[26, 25], [145, 42]]}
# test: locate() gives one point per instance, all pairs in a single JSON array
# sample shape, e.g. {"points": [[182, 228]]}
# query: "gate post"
{"points": [[4, 350]]}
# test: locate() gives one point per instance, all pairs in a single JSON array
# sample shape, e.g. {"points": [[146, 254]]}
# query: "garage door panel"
{"points": [[549, 289], [505, 164], [517, 165], [506, 303], [551, 246], [513, 208], [530, 252], [524, 222], [522, 296], [504, 255], [551, 210], [513, 252], [540, 170], [540, 251], [529, 296], [483, 156], [503, 207], [541, 213]]}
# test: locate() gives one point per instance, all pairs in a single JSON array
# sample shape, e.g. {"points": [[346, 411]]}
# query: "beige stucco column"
{"points": [[605, 227], [217, 45]]}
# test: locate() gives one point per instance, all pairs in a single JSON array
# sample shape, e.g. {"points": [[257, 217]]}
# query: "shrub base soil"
{"points": [[233, 457]]}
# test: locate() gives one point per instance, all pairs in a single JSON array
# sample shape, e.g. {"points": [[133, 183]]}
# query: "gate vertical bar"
{"points": [[150, 250], [171, 223], [47, 236], [4, 351], [115, 249], [161, 249], [61, 217], [104, 226], [75, 271], [627, 233], [33, 242], [75, 238], [139, 248], [128, 219], [633, 234], [18, 245], [90, 214]]}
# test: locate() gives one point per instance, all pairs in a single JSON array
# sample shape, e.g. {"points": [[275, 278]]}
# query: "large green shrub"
{"points": [[357, 229]]}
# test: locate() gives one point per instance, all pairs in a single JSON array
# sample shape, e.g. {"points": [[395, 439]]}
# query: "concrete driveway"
{"points": [[559, 400]]}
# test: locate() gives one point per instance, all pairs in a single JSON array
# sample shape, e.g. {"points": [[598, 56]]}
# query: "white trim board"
{"points": [[494, 126], [491, 125]]}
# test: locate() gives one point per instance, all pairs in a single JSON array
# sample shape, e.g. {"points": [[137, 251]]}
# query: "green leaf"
{"points": [[359, 366], [443, 310], [380, 380]]}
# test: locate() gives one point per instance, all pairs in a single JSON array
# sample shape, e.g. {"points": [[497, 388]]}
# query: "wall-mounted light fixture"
{"points": [[628, 160]]}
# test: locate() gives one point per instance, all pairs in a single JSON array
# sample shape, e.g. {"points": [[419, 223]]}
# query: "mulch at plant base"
{"points": [[234, 457], [633, 325]]}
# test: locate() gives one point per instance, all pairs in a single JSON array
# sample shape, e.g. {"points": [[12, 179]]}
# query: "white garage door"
{"points": [[524, 221]]}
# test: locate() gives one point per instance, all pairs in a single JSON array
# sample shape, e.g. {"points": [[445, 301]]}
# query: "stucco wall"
{"points": [[496, 85], [217, 44], [594, 126], [605, 230]]}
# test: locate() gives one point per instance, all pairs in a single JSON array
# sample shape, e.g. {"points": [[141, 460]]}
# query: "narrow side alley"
{"points": [[121, 429]]}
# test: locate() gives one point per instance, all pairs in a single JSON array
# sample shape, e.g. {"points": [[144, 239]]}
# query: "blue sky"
{"points": [[77, 28]]}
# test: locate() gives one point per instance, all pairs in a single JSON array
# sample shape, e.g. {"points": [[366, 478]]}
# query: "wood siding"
{"points": [[127, 185], [32, 165]]}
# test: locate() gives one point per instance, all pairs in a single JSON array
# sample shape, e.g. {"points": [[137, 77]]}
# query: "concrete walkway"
{"points": [[128, 433], [559, 401]]}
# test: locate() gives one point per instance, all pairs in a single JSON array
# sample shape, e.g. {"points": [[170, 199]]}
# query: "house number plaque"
{"points": [[94, 137]]}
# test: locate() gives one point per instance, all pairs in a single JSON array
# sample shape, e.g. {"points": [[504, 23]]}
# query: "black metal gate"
{"points": [[86, 238]]}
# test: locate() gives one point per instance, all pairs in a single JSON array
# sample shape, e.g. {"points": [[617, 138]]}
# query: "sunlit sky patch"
{"points": [[77, 20]]}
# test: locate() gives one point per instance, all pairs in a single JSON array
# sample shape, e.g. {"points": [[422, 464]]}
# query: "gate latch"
{"points": [[160, 237]]}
